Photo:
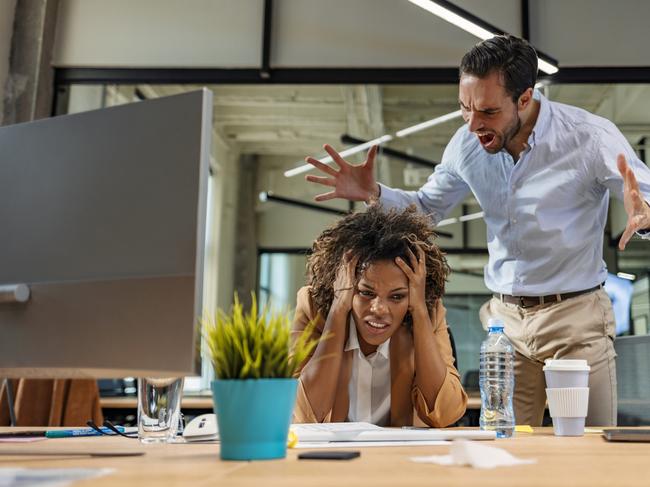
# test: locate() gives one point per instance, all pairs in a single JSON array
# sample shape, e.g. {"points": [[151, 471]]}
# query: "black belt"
{"points": [[530, 301]]}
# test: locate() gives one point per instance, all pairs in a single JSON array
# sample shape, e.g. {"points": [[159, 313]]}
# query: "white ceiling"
{"points": [[296, 120]]}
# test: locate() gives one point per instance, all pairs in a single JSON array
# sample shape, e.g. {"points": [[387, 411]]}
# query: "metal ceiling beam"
{"points": [[422, 76], [601, 74], [265, 71], [252, 76], [420, 161], [269, 196], [525, 20]]}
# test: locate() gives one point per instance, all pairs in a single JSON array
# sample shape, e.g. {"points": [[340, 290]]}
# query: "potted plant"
{"points": [[255, 391]]}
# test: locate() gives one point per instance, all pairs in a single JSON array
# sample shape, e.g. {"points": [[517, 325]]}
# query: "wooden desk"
{"points": [[585, 461]]}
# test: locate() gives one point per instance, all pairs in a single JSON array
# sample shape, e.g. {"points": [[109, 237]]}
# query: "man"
{"points": [[542, 173]]}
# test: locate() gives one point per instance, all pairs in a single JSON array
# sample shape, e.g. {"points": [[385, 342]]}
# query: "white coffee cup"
{"points": [[567, 393]]}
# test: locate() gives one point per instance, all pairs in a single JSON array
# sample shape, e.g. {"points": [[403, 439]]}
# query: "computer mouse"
{"points": [[202, 428]]}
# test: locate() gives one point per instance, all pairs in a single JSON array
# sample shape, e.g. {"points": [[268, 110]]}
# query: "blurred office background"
{"points": [[291, 75]]}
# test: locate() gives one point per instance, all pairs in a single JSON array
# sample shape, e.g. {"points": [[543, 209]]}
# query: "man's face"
{"points": [[488, 110]]}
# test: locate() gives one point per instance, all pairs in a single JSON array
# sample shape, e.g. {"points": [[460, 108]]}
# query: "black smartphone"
{"points": [[627, 435], [329, 455]]}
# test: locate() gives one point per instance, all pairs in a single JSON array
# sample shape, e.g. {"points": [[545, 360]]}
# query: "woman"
{"points": [[375, 283]]}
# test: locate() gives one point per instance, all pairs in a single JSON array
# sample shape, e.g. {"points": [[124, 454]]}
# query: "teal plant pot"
{"points": [[254, 416]]}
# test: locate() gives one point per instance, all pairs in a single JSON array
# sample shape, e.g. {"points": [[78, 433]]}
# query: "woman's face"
{"points": [[379, 304]]}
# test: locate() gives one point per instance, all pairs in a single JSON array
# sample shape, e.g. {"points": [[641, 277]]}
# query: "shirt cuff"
{"points": [[388, 197]]}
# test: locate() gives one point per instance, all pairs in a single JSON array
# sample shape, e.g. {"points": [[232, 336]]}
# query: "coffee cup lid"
{"points": [[566, 365]]}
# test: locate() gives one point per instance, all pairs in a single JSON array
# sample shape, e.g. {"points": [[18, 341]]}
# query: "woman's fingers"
{"points": [[417, 268], [405, 268], [347, 269], [422, 258], [352, 265], [413, 259], [418, 263]]}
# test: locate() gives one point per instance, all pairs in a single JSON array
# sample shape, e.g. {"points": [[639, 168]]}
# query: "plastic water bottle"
{"points": [[497, 381]]}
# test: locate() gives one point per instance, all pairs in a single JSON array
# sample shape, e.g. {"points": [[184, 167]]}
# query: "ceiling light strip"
{"points": [[460, 219], [348, 152], [429, 123], [453, 18], [476, 26]]}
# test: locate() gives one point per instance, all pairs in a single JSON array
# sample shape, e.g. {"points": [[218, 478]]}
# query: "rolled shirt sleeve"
{"points": [[607, 145], [443, 190]]}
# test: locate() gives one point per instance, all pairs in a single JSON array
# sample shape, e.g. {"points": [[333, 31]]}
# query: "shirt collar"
{"points": [[543, 118], [353, 341]]}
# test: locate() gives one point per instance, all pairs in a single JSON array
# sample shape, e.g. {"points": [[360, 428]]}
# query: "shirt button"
{"points": [[514, 220]]}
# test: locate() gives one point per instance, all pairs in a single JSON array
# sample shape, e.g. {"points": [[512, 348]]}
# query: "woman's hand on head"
{"points": [[345, 282], [417, 276]]}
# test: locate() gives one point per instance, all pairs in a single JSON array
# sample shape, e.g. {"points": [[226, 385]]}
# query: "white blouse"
{"points": [[369, 387]]}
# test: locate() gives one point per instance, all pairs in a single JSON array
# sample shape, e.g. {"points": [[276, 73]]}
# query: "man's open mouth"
{"points": [[486, 139]]}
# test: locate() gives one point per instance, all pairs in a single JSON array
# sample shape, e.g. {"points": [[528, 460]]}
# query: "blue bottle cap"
{"points": [[495, 324]]}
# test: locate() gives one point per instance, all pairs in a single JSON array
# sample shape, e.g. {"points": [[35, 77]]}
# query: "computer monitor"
{"points": [[103, 215], [620, 292]]}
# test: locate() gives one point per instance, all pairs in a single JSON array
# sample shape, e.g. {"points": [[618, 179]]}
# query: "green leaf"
{"points": [[256, 343]]}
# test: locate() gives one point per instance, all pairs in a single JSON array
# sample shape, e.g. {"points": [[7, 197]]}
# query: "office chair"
{"points": [[453, 346], [633, 377]]}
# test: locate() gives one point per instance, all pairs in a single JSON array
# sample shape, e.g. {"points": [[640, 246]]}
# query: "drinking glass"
{"points": [[159, 408]]}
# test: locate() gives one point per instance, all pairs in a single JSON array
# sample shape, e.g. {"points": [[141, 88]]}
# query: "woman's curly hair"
{"points": [[372, 236]]}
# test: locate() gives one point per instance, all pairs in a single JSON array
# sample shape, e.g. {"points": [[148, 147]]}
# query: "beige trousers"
{"points": [[582, 327]]}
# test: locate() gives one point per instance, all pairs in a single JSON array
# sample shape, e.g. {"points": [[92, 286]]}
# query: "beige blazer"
{"points": [[407, 404]]}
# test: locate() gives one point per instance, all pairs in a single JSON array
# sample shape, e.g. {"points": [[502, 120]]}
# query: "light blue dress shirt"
{"points": [[545, 215]]}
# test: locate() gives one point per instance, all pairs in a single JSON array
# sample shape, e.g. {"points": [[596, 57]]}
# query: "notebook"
{"points": [[367, 432]]}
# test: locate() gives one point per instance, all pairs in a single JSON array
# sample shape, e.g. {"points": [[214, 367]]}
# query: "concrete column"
{"points": [[29, 86], [245, 273]]}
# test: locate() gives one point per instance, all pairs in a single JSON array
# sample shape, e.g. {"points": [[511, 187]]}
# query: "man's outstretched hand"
{"points": [[355, 183], [638, 211]]}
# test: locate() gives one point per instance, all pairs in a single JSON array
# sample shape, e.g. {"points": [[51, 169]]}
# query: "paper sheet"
{"points": [[364, 444], [366, 432], [48, 477]]}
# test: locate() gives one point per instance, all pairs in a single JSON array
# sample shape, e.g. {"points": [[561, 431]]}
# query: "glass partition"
{"points": [[261, 131]]}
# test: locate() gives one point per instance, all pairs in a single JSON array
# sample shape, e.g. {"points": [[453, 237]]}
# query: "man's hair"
{"points": [[372, 236], [512, 57]]}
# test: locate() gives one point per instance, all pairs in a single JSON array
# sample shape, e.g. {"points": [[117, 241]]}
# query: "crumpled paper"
{"points": [[48, 477], [475, 454]]}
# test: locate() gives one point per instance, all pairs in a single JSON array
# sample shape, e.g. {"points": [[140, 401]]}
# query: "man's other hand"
{"points": [[638, 211]]}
